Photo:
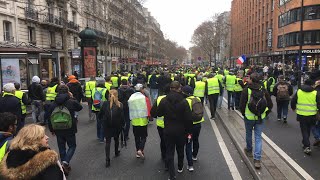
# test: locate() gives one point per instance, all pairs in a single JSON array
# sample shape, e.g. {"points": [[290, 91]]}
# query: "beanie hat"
{"points": [[138, 87], [9, 88], [36, 79], [71, 77], [187, 90]]}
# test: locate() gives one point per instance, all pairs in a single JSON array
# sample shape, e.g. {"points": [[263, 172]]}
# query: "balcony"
{"points": [[8, 38], [73, 26], [51, 19], [31, 14]]}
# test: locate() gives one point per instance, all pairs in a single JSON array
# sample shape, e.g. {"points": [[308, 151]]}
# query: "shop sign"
{"points": [[311, 51], [75, 53], [269, 37]]}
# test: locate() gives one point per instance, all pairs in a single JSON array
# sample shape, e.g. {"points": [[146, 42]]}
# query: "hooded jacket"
{"points": [[177, 114], [244, 97], [290, 89], [75, 88], [125, 92], [72, 105], [10, 103], [31, 165], [294, 100], [35, 92]]}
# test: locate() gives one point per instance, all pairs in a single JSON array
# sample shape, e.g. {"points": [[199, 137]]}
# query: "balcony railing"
{"points": [[8, 38], [72, 25], [31, 13], [59, 21]]}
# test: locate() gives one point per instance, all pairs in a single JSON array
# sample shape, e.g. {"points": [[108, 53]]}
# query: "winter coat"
{"points": [[153, 82], [290, 89], [72, 105], [32, 165], [10, 103], [294, 100], [244, 97], [76, 90], [112, 119], [124, 94], [35, 92], [177, 114]]}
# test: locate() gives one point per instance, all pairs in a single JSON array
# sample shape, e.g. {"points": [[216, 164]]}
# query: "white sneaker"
{"points": [[194, 158], [180, 170], [190, 168], [279, 119], [140, 154]]}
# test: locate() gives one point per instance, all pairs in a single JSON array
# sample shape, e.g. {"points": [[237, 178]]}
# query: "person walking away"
{"points": [[282, 91], [52, 92], [99, 95], [112, 117], [108, 83], [177, 124], [269, 84], [306, 103], [76, 90], [213, 90], [9, 102], [238, 88], [8, 125], [35, 93], [24, 101], [221, 80], [125, 91], [153, 82], [63, 124], [196, 107], [316, 129], [88, 88], [230, 82], [115, 80], [199, 89], [255, 105], [30, 157], [139, 111]]}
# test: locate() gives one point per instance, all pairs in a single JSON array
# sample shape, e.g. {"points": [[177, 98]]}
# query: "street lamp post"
{"points": [[300, 45]]}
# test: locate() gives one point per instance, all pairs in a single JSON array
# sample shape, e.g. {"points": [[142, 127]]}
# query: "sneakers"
{"points": [[279, 119], [172, 178], [66, 168], [307, 151], [117, 153], [140, 154], [248, 152], [180, 170], [257, 164], [285, 120], [190, 168], [107, 163], [194, 158], [137, 155]]}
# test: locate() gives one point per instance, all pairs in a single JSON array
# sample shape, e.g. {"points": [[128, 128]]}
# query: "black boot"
{"points": [[117, 153], [107, 163]]}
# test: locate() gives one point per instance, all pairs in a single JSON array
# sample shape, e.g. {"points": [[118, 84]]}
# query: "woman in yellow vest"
{"points": [[24, 101], [253, 122], [230, 81], [213, 90]]}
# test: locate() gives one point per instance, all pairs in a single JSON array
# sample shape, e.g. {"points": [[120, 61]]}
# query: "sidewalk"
{"points": [[274, 164]]}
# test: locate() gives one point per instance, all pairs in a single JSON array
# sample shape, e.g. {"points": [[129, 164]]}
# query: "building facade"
{"points": [[269, 31]]}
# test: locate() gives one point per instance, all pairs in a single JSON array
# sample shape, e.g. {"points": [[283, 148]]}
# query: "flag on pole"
{"points": [[241, 59]]}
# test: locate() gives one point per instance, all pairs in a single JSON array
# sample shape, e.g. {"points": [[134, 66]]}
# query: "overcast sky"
{"points": [[179, 18]]}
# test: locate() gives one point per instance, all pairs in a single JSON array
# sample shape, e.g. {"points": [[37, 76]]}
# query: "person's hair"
{"points": [[6, 120], [55, 79], [174, 86], [107, 78], [17, 85], [63, 89], [309, 82], [255, 77], [124, 82], [113, 93], [29, 137]]}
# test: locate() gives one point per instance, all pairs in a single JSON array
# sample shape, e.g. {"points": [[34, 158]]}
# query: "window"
{"points": [[74, 17], [75, 42], [7, 31], [307, 37], [317, 37], [32, 35], [52, 39]]}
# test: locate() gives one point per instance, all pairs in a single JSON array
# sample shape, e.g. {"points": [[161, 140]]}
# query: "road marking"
{"points": [[284, 155], [232, 166]]}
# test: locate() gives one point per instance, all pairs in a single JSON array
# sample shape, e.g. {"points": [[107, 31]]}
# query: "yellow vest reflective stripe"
{"points": [[149, 76], [51, 93], [139, 122], [160, 121], [90, 85], [213, 86], [199, 89], [272, 84], [114, 80], [230, 82], [306, 103], [108, 85], [19, 95], [104, 90], [189, 80], [189, 99], [3, 150], [237, 86], [249, 115]]}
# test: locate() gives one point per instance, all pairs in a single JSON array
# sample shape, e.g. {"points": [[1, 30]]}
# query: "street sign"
{"points": [[199, 58]]}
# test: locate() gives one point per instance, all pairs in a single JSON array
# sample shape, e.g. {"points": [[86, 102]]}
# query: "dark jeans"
{"points": [[100, 130], [282, 109], [213, 99], [174, 142], [306, 125], [140, 142], [108, 144], [127, 122], [237, 96], [230, 99], [162, 142], [70, 140], [192, 148], [21, 123]]}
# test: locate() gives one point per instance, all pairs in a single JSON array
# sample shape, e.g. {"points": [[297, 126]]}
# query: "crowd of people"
{"points": [[174, 98]]}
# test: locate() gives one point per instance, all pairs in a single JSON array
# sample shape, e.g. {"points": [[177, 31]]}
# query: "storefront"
{"points": [[76, 62]]}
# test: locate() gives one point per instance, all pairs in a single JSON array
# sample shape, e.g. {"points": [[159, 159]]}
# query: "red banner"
{"points": [[90, 60]]}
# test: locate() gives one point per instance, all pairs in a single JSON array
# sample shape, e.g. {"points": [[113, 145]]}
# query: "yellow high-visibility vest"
{"points": [[114, 80], [90, 85], [199, 89], [213, 86], [108, 85], [189, 99], [3, 150], [249, 115], [230, 82], [51, 93], [237, 86], [307, 103], [160, 121], [19, 95]]}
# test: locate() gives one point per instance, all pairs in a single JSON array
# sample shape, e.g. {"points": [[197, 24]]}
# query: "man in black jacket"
{"points": [[66, 136], [35, 93], [76, 90], [9, 102], [177, 123]]}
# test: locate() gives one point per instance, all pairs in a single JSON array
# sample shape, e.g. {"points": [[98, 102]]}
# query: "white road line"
{"points": [[284, 155], [232, 166]]}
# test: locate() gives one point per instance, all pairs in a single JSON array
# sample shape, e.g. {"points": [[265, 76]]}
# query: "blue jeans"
{"points": [[100, 130], [154, 95], [70, 140], [237, 96], [220, 100], [282, 109], [316, 131], [230, 99], [193, 151], [253, 125], [36, 106]]}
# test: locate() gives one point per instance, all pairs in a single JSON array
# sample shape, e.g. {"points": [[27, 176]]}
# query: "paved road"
{"points": [[89, 159], [288, 137]]}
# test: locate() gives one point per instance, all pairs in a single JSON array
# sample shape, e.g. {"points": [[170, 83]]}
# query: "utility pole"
{"points": [[65, 37]]}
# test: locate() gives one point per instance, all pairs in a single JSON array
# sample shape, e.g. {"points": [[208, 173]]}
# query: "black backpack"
{"points": [[197, 109], [124, 95], [257, 103]]}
